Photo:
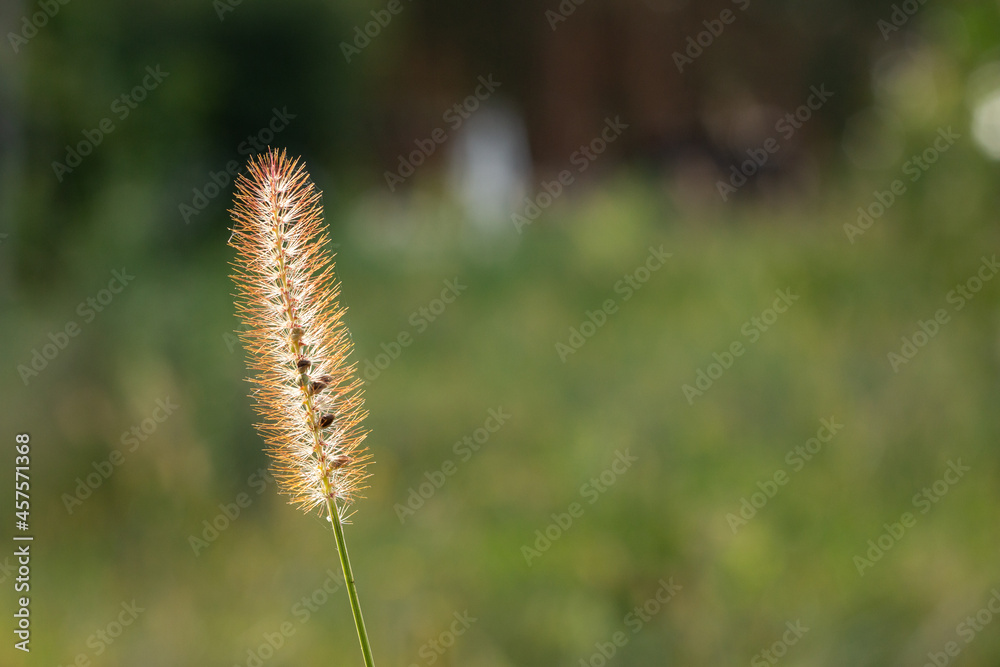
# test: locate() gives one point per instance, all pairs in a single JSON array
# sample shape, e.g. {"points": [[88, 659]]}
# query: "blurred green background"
{"points": [[168, 336]]}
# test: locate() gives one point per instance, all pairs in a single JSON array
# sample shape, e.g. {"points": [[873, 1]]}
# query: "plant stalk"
{"points": [[352, 591]]}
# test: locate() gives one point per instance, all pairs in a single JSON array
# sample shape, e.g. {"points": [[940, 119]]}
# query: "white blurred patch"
{"points": [[983, 96], [489, 166], [986, 125]]}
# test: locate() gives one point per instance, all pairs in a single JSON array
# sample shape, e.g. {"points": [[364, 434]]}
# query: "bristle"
{"points": [[287, 296]]}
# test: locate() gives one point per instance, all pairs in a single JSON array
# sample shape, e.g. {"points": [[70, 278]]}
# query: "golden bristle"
{"points": [[307, 393]]}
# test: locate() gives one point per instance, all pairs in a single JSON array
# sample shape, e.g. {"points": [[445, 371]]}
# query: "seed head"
{"points": [[287, 296]]}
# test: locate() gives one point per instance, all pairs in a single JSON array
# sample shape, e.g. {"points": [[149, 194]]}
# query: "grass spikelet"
{"points": [[306, 393]]}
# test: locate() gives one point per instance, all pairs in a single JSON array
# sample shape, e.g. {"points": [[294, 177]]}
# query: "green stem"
{"points": [[345, 562]]}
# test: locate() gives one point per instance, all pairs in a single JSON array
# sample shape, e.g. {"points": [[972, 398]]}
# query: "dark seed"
{"points": [[303, 364], [325, 420]]}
